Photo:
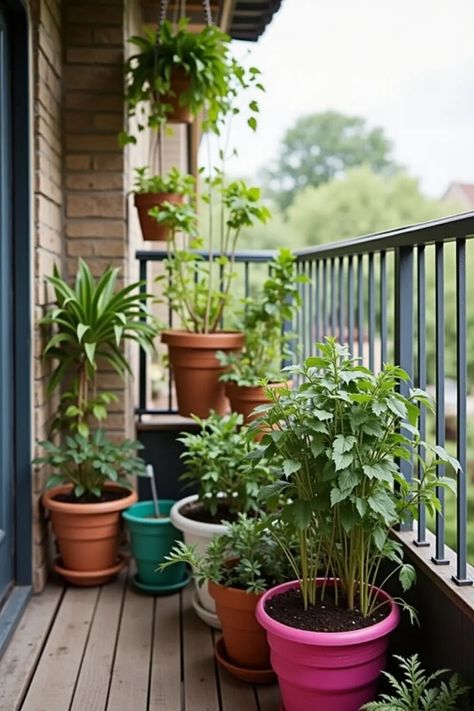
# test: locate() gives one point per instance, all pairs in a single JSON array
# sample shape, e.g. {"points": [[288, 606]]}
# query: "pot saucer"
{"points": [[162, 589], [88, 578], [210, 618], [251, 676]]}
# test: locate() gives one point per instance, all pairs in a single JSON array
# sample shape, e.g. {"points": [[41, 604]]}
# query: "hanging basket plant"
{"points": [[177, 74]]}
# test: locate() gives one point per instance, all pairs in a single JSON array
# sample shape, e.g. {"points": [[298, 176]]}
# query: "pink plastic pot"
{"points": [[336, 671]]}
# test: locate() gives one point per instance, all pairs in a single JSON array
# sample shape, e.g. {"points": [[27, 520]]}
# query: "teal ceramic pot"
{"points": [[152, 539]]}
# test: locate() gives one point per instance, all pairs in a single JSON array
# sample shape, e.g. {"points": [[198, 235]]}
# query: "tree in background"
{"points": [[323, 146]]}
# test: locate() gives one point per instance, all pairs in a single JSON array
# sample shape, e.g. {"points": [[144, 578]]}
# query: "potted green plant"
{"points": [[88, 488], [177, 74], [217, 461], [239, 566], [198, 290], [268, 340], [342, 433], [153, 190], [88, 326]]}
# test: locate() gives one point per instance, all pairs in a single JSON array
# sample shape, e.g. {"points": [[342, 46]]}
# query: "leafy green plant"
{"points": [[267, 343], [197, 288], [172, 182], [216, 458], [246, 557], [342, 433], [89, 324], [215, 77], [419, 691], [88, 463]]}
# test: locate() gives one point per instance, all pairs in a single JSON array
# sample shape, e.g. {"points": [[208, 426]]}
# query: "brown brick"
{"points": [[95, 14], [100, 229], [78, 35], [109, 248], [81, 143], [78, 162], [109, 122], [80, 249], [100, 79], [109, 161], [78, 121], [91, 205], [109, 35], [94, 102], [95, 181], [95, 55]]}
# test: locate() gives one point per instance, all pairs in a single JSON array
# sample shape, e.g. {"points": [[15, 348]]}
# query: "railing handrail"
{"points": [[243, 255], [445, 229]]}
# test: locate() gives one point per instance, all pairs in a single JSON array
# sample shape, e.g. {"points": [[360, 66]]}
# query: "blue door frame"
{"points": [[15, 318]]}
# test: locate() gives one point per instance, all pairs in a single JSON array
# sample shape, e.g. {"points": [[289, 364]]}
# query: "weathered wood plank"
{"points": [[268, 697], [200, 688], [93, 683], [165, 686], [18, 663], [130, 675], [235, 694], [53, 684]]}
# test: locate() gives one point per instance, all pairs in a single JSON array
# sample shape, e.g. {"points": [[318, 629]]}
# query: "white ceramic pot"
{"points": [[198, 534]]}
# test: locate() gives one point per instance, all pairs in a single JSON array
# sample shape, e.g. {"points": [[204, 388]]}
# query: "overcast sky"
{"points": [[407, 66]]}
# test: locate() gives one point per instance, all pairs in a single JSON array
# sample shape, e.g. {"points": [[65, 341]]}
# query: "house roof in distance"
{"points": [[464, 192]]}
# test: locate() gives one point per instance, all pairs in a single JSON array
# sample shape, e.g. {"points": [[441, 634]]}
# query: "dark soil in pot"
{"points": [[113, 495], [196, 512], [324, 616]]}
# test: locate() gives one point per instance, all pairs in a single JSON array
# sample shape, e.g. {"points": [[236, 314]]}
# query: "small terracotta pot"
{"points": [[151, 229], [245, 640], [197, 370], [88, 535], [244, 399], [179, 84]]}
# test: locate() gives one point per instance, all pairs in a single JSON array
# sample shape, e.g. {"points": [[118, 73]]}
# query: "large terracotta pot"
{"points": [[179, 84], [197, 370], [245, 640], [244, 399], [327, 670], [88, 535], [198, 534], [151, 229]]}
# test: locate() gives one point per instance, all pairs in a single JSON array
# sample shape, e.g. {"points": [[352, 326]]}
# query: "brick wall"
{"points": [[48, 223]]}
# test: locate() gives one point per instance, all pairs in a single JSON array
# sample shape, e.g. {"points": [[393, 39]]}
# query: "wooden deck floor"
{"points": [[113, 648]]}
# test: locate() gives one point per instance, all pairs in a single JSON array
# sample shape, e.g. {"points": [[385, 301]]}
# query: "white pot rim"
{"points": [[188, 525]]}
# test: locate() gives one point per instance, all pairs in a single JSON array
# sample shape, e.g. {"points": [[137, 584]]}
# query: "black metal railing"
{"points": [[385, 295]]}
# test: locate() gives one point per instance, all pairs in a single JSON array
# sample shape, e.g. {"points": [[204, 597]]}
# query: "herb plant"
{"points": [[217, 459], [198, 289], [173, 182], [246, 557], [267, 343], [342, 433], [89, 324], [215, 77], [88, 463], [419, 691]]}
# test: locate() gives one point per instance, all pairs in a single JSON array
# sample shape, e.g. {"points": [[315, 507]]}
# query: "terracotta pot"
{"points": [[88, 534], [151, 229], [245, 640], [197, 371], [244, 399], [179, 84]]}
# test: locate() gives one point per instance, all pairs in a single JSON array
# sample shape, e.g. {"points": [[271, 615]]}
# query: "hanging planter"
{"points": [[154, 192]]}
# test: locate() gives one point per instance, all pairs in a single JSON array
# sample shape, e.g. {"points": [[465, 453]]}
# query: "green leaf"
{"points": [[90, 352], [83, 429], [81, 330], [407, 576], [290, 466], [252, 122]]}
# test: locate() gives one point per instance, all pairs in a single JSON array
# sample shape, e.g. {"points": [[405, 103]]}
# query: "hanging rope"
{"points": [[207, 12], [163, 11]]}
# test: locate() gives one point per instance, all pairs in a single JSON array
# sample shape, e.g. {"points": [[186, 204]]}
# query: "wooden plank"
{"points": [[18, 663], [53, 684], [165, 686], [130, 675], [200, 688], [93, 683], [11, 612], [235, 694], [268, 697]]}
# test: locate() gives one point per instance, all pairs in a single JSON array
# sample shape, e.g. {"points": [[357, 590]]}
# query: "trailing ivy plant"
{"points": [[89, 324], [217, 459], [173, 182], [199, 289], [247, 556], [88, 463], [267, 340], [419, 691], [342, 433], [204, 58]]}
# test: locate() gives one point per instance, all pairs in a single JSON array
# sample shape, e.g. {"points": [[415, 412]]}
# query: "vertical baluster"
{"points": [[350, 303], [342, 309], [383, 309], [170, 324], [371, 312], [143, 379], [317, 289], [325, 300], [461, 502], [246, 280], [332, 289], [360, 306], [421, 379], [310, 324], [439, 557], [297, 339]]}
